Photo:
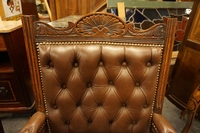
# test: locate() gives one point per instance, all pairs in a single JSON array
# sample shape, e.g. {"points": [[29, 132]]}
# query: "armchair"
{"points": [[98, 75]]}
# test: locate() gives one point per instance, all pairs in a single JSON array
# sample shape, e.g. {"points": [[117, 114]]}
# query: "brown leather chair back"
{"points": [[99, 75]]}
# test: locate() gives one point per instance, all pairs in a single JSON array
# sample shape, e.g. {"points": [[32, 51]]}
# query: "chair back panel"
{"points": [[99, 74], [94, 84]]}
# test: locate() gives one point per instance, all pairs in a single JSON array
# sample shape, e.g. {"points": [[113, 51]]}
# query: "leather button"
{"points": [[75, 64], [51, 64], [67, 122], [111, 82], [100, 63], [64, 86], [145, 106], [137, 84], [124, 64], [134, 122], [89, 85], [111, 121], [78, 104], [99, 104], [89, 121], [124, 104], [55, 107], [148, 64]]}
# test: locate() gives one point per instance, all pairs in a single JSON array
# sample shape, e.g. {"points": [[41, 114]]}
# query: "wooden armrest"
{"points": [[161, 124], [35, 123]]}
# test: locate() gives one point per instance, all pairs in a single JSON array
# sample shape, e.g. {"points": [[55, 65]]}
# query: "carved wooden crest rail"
{"points": [[101, 25]]}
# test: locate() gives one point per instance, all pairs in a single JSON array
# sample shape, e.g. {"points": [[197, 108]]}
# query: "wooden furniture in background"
{"points": [[185, 76], [192, 107], [15, 86], [48, 9], [29, 8], [60, 9]]}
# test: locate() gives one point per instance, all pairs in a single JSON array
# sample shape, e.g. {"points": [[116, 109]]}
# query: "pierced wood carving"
{"points": [[101, 25]]}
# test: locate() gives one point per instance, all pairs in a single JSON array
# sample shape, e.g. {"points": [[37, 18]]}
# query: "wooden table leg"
{"points": [[1, 127], [191, 109]]}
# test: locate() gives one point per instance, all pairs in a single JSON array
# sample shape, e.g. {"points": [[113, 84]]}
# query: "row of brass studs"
{"points": [[45, 102], [40, 130], [100, 43], [156, 88], [155, 127]]}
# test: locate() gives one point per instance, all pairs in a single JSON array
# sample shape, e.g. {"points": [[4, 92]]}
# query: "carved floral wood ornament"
{"points": [[106, 25]]}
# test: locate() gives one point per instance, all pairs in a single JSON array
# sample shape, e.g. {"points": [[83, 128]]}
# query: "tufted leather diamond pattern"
{"points": [[99, 85]]}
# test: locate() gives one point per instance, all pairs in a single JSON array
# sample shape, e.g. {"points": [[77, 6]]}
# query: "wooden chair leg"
{"points": [[1, 127], [188, 125], [191, 109]]}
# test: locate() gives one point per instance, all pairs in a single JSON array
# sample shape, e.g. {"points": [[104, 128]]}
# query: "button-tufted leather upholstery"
{"points": [[101, 80], [89, 86]]}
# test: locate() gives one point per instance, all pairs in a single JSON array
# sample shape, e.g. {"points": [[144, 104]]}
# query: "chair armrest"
{"points": [[161, 124], [35, 123]]}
